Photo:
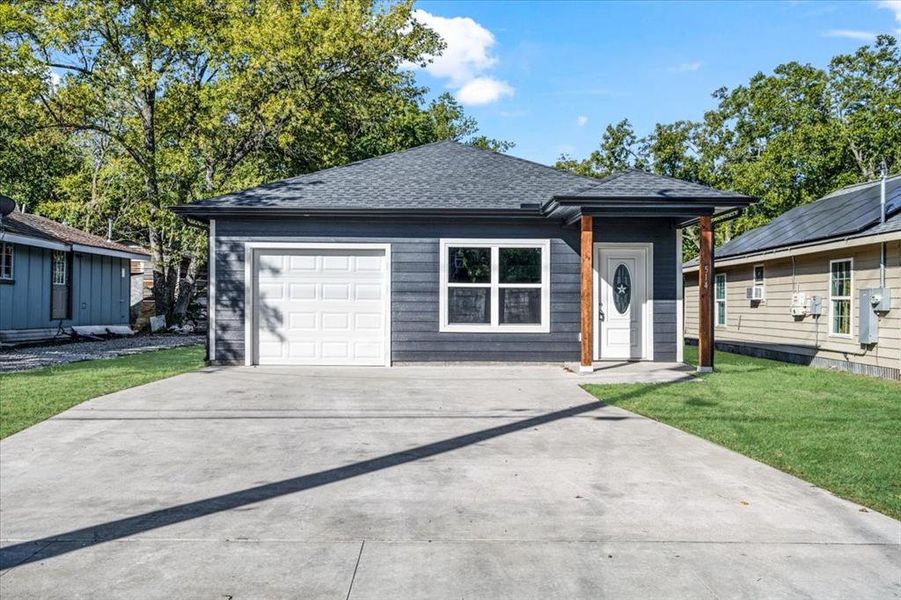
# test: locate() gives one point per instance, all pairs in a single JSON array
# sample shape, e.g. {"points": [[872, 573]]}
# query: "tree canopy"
{"points": [[118, 110], [788, 137]]}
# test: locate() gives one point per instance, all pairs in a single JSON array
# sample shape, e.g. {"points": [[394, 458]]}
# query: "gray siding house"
{"points": [[449, 253], [54, 278]]}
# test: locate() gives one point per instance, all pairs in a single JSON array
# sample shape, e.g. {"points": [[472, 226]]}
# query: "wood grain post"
{"points": [[587, 293], [705, 296]]}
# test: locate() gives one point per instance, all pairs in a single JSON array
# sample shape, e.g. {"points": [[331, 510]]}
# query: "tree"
{"points": [[788, 137], [194, 98], [619, 150]]}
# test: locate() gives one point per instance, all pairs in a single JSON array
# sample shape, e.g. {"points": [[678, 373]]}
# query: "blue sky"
{"points": [[549, 76]]}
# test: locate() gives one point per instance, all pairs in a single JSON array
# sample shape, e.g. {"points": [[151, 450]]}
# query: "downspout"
{"points": [[882, 221]]}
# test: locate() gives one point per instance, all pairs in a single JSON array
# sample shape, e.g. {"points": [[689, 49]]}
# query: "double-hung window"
{"points": [[6, 261], [840, 297], [495, 285], [719, 289]]}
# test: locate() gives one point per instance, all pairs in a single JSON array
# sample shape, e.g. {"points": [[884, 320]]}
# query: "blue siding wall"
{"points": [[100, 295], [415, 284]]}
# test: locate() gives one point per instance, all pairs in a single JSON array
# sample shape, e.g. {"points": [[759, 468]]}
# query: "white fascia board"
{"points": [[109, 252], [27, 240]]}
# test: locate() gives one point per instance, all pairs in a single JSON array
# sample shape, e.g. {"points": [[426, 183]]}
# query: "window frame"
{"points": [[7, 250], [717, 301], [65, 270], [762, 277], [494, 285], [849, 298]]}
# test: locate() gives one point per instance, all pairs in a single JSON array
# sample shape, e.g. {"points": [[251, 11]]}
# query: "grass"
{"points": [[30, 397], [839, 431]]}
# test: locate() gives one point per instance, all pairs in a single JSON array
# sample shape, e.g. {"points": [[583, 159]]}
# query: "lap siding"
{"points": [[415, 285]]}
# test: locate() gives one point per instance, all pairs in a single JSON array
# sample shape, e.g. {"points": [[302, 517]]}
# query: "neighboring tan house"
{"points": [[55, 278], [808, 287], [449, 253]]}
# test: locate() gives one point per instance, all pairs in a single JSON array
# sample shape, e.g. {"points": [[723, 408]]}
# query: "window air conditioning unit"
{"points": [[754, 292]]}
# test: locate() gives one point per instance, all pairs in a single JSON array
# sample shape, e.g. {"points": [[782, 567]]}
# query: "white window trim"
{"points": [[250, 251], [6, 247], [849, 297], [754, 275], [495, 285], [65, 270], [717, 301]]}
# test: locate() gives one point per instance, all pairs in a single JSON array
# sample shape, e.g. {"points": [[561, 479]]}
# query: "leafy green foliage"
{"points": [[140, 105], [839, 431], [788, 137]]}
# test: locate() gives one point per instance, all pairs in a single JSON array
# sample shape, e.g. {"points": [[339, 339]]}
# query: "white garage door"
{"points": [[321, 307]]}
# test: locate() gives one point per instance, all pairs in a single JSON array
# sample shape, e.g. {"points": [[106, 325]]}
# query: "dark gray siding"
{"points": [[99, 292], [415, 284]]}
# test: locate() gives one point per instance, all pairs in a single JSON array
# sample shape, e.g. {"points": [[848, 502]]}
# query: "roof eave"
{"points": [[208, 212]]}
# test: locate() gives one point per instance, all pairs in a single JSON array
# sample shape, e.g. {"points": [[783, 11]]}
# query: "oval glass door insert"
{"points": [[622, 289]]}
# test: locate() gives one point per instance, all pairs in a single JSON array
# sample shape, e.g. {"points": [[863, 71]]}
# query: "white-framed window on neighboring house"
{"points": [[495, 285], [59, 265], [759, 275], [840, 290], [7, 258], [719, 296]]}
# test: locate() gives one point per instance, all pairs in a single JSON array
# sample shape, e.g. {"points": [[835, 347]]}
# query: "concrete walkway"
{"points": [[411, 483]]}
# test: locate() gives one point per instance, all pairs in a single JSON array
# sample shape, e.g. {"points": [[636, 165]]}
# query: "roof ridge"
{"points": [[525, 160]]}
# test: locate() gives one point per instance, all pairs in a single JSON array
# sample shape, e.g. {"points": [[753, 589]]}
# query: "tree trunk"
{"points": [[187, 285]]}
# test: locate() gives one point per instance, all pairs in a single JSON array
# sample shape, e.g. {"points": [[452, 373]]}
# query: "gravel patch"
{"points": [[34, 357]]}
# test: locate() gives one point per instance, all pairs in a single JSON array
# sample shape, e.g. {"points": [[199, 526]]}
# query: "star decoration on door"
{"points": [[621, 289]]}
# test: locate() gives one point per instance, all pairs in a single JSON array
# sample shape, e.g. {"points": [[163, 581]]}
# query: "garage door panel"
{"points": [[322, 307]]}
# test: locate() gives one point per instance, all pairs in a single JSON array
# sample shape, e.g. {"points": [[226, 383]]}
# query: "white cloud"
{"points": [[581, 120], [892, 5], [686, 67], [465, 59], [853, 34], [483, 90]]}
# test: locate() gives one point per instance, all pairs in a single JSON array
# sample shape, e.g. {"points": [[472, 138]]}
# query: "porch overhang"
{"points": [[682, 212]]}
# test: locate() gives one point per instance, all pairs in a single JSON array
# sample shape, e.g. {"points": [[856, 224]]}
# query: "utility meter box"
{"points": [[799, 304], [873, 301], [815, 306]]}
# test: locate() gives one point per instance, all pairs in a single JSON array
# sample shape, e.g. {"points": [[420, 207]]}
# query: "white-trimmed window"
{"points": [[495, 285], [59, 264], [7, 257], [840, 286], [759, 273], [719, 296]]}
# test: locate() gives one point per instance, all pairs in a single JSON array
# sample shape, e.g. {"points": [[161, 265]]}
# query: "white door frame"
{"points": [[647, 315], [250, 291]]}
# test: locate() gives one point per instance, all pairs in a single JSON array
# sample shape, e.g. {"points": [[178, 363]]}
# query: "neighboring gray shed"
{"points": [[54, 277]]}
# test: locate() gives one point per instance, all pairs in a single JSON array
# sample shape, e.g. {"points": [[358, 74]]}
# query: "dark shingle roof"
{"points": [[439, 175], [847, 211], [637, 184], [35, 226], [448, 176]]}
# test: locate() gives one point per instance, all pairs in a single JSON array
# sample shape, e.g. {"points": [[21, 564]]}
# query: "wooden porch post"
{"points": [[587, 285], [705, 296]]}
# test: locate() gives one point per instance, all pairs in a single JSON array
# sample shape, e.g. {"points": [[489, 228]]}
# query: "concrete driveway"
{"points": [[411, 483]]}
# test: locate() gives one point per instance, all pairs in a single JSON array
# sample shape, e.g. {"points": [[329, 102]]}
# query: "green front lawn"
{"points": [[30, 397], [839, 431]]}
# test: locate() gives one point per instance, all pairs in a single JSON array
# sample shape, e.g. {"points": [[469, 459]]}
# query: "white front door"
{"points": [[622, 303], [321, 307]]}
